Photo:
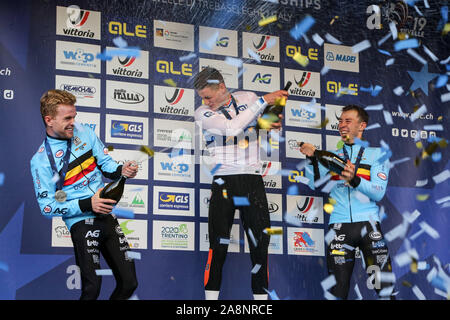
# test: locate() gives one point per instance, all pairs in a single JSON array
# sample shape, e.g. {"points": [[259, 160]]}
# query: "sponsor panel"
{"points": [[173, 35], [123, 29], [304, 83], [275, 244], [331, 142], [129, 65], [135, 231], [218, 41], [74, 56], [333, 113], [270, 173], [121, 156], [173, 101], [337, 57], [205, 197], [73, 21], [173, 201], [88, 119], [294, 138], [125, 129], [311, 53], [134, 198], [261, 78], [86, 90], [305, 241], [173, 235], [173, 133], [302, 114], [167, 168], [265, 46], [306, 209], [229, 72], [126, 96], [233, 242]]}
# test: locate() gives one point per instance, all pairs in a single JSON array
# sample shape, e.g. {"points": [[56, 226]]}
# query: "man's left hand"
{"points": [[130, 169], [349, 172], [277, 125]]}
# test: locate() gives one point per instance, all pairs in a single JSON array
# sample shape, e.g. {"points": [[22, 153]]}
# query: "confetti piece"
{"points": [[374, 107], [224, 241], [241, 201], [361, 46], [120, 42], [418, 113], [328, 187], [219, 181], [390, 62], [170, 82], [224, 193], [146, 150], [416, 56], [441, 177], [273, 231], [252, 238], [332, 39], [253, 55], [393, 29], [442, 200], [383, 40], [328, 282], [291, 220], [292, 190], [302, 27], [358, 293], [187, 57], [445, 97], [124, 213], [429, 230], [104, 272], [338, 253], [422, 197], [256, 268], [330, 236], [108, 54], [272, 294], [441, 81], [384, 52], [133, 255], [4, 266], [301, 59], [2, 178], [210, 43], [268, 20], [233, 62], [419, 294], [406, 44], [324, 70], [398, 91], [214, 170], [429, 53], [55, 178], [301, 179], [387, 117], [373, 126], [213, 81], [322, 180], [318, 39]]}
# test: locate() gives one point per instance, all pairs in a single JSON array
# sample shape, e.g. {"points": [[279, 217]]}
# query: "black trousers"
{"points": [[374, 251], [255, 218], [103, 235]]}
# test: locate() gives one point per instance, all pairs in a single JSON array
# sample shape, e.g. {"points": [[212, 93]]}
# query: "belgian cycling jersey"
{"points": [[89, 159], [355, 202]]}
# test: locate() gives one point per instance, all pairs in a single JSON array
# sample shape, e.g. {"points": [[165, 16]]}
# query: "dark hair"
{"points": [[207, 77], [362, 114]]}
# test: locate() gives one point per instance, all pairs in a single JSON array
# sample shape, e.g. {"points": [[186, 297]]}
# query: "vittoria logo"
{"points": [[124, 68], [177, 95], [307, 204], [75, 22], [77, 18], [262, 43], [303, 80]]}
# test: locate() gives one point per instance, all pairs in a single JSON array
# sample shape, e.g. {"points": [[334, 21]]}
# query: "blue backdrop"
{"points": [[31, 268]]}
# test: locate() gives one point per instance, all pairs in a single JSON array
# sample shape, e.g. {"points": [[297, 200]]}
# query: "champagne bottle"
{"points": [[278, 109], [114, 189], [329, 160]]}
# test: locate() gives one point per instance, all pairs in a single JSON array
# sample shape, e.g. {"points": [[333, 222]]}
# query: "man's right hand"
{"points": [[270, 98], [101, 205], [307, 149]]}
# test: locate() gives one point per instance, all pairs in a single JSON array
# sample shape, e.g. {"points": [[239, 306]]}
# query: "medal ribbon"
{"points": [[358, 158], [63, 171]]}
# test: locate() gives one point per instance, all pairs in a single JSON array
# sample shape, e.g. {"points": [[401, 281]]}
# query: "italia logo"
{"points": [[59, 153], [176, 97], [304, 80], [262, 43]]}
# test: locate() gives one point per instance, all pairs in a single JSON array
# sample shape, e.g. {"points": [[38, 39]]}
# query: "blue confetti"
{"points": [[123, 213], [214, 170], [302, 27], [384, 52], [241, 201], [406, 44], [292, 190], [108, 54], [2, 178], [272, 294], [187, 57], [103, 272], [4, 266], [441, 80], [120, 42]]}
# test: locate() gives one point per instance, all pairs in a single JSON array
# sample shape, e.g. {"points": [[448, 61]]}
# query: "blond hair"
{"points": [[52, 98]]}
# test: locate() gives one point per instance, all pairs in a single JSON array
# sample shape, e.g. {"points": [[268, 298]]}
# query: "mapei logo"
{"points": [[340, 57], [173, 200], [177, 168], [127, 129], [120, 28], [163, 66], [263, 79], [303, 239], [79, 55]]}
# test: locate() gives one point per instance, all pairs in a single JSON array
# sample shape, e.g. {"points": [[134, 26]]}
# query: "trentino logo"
{"points": [[127, 129], [303, 239], [173, 200]]}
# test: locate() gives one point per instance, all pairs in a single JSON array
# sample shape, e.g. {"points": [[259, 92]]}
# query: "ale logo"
{"points": [[176, 97]]}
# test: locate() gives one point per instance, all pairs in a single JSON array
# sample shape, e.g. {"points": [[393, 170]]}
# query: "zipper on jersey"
{"points": [[348, 187]]}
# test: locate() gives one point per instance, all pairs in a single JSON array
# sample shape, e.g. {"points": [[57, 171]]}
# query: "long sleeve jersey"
{"points": [[355, 201], [224, 127], [89, 159]]}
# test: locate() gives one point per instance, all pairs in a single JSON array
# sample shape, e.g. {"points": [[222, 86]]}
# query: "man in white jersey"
{"points": [[229, 125]]}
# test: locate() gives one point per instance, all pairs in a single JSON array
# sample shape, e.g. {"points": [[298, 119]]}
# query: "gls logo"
{"points": [[79, 55], [264, 79], [177, 168]]}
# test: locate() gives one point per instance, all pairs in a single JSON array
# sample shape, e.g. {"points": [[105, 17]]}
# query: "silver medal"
{"points": [[60, 196]]}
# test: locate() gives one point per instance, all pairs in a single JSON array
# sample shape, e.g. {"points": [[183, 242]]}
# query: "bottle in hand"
{"points": [[114, 189], [329, 160]]}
